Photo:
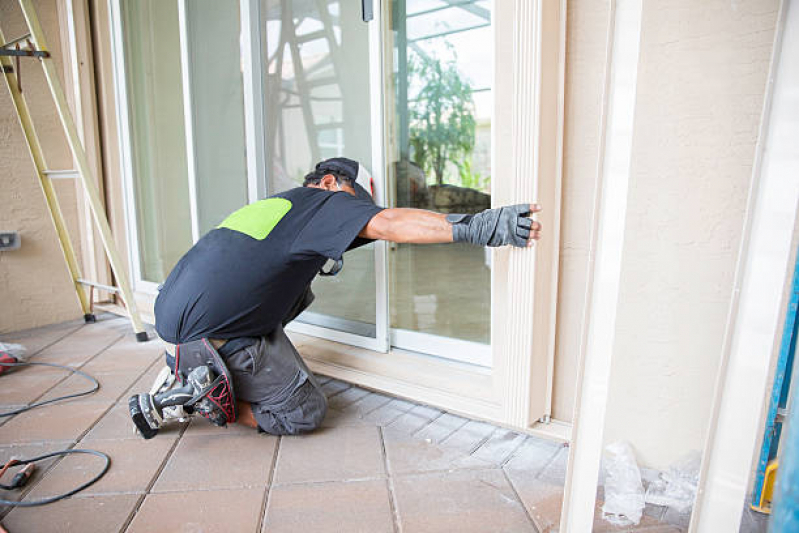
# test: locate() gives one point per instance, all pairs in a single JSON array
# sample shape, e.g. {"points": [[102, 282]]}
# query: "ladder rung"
{"points": [[320, 82], [17, 40], [313, 36], [23, 53], [106, 288], [329, 126], [62, 174]]}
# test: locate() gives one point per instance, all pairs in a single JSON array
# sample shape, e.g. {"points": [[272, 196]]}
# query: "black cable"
{"points": [[43, 501], [45, 402]]}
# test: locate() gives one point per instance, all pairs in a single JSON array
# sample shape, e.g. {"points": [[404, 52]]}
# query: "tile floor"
{"points": [[378, 464]]}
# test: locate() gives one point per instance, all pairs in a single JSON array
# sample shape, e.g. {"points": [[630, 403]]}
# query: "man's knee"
{"points": [[304, 414]]}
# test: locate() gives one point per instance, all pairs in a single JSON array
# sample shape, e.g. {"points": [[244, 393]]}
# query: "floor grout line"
{"points": [[374, 408], [512, 454], [399, 415], [519, 499], [270, 484], [154, 478], [392, 499], [429, 422], [451, 433], [482, 441], [338, 392], [549, 462], [30, 488], [62, 380], [59, 339]]}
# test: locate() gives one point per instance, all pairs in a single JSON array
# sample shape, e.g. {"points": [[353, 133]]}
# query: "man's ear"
{"points": [[328, 182]]}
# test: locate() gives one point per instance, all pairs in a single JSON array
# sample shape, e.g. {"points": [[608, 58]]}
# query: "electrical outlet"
{"points": [[9, 240]]}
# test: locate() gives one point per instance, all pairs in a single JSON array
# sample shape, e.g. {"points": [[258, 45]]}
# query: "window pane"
{"points": [[441, 160], [317, 106], [158, 140], [217, 102]]}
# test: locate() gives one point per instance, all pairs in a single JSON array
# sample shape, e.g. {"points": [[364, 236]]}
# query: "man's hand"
{"points": [[498, 227]]}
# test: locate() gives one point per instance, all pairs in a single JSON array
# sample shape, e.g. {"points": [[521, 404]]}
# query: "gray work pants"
{"points": [[286, 399]]}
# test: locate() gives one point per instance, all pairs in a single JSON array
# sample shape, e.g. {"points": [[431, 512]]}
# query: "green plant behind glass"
{"points": [[442, 119]]}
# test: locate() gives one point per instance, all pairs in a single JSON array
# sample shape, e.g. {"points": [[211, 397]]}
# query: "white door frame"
{"points": [[126, 148]]}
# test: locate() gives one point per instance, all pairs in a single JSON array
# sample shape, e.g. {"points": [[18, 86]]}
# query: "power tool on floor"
{"points": [[10, 356], [201, 384]]}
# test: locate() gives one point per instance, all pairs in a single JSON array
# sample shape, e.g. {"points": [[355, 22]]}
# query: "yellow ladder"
{"points": [[36, 47]]}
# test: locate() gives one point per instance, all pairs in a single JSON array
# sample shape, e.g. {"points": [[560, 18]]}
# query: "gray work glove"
{"points": [[494, 227]]}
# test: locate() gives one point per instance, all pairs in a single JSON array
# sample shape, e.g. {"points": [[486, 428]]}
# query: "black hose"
{"points": [[95, 387], [44, 501]]}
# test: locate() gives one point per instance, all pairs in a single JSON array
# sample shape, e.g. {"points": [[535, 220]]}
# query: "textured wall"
{"points": [[35, 288], [701, 83], [701, 86]]}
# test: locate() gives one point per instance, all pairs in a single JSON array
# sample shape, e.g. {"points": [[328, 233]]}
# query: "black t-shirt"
{"points": [[242, 278]]}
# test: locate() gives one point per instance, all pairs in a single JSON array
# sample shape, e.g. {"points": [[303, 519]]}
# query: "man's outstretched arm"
{"points": [[492, 227]]}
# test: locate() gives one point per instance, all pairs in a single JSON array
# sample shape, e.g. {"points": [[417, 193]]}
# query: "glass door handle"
{"points": [[367, 10]]}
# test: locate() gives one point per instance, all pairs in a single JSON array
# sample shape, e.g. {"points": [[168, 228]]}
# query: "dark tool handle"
{"points": [[367, 10]]}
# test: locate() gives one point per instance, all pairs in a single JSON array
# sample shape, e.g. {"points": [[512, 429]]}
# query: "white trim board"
{"points": [[607, 242], [757, 312]]}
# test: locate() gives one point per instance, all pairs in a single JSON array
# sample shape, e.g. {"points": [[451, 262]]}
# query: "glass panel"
{"points": [[217, 101], [441, 160], [157, 136], [317, 106]]}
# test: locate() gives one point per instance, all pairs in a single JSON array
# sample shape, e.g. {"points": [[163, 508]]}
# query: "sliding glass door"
{"points": [[181, 111], [439, 158], [223, 103], [319, 103]]}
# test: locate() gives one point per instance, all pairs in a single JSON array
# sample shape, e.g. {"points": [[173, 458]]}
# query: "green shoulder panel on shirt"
{"points": [[258, 219]]}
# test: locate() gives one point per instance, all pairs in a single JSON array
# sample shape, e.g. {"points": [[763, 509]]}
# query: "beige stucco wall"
{"points": [[35, 288], [701, 84]]}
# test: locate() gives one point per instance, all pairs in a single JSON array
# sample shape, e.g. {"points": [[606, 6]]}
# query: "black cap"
{"points": [[351, 170]]}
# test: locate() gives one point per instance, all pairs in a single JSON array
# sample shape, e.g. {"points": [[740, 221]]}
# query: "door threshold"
{"points": [[455, 387]]}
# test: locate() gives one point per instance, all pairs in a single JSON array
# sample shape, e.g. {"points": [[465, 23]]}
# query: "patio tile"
{"points": [[369, 403], [408, 454], [500, 446], [218, 462], [463, 501], [441, 428], [24, 385], [385, 415], [469, 437], [676, 518], [357, 506], [117, 425], [126, 355], [34, 340], [112, 386], [145, 380], [29, 451], [555, 471], [212, 511], [335, 386], [544, 501], [348, 417], [346, 397], [333, 454], [79, 347], [62, 421], [133, 465], [533, 456], [415, 419], [201, 426], [98, 514]]}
